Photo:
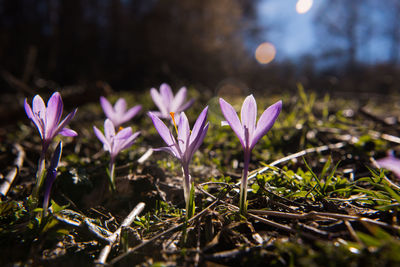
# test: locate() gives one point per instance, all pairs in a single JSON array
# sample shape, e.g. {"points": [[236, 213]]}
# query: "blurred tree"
{"points": [[127, 42], [200, 39], [344, 29], [391, 28]]}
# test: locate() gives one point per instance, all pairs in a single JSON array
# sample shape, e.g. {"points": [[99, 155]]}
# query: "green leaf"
{"points": [[57, 208], [50, 222], [191, 207], [392, 193], [313, 175], [368, 240], [328, 179], [326, 167]]}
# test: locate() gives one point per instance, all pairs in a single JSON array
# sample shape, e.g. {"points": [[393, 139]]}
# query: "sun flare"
{"points": [[265, 53], [303, 6]]}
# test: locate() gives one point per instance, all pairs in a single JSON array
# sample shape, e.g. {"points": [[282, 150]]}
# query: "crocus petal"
{"points": [[167, 95], [158, 114], [131, 113], [183, 132], [159, 101], [39, 111], [248, 116], [102, 138], [124, 133], [233, 120], [179, 99], [198, 125], [107, 107], [163, 130], [199, 140], [28, 109], [53, 113], [198, 133], [129, 141], [185, 106], [120, 106], [64, 123], [68, 132], [391, 163], [265, 122], [109, 129], [38, 106], [34, 119]]}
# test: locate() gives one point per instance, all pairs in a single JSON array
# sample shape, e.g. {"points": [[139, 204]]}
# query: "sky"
{"points": [[291, 32]]}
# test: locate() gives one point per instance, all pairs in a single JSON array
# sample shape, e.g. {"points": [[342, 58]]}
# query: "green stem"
{"points": [[243, 185], [188, 188], [34, 199], [112, 175]]}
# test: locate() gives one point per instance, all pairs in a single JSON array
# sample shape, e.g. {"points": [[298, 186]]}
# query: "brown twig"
{"points": [[353, 233], [18, 162], [115, 236], [281, 226], [295, 155], [387, 137], [323, 215], [76, 219]]}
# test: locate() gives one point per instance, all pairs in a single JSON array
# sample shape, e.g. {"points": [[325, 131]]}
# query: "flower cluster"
{"points": [[181, 143]]}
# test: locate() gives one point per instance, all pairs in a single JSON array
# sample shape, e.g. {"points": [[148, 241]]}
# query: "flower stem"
{"points": [[34, 199], [188, 189], [243, 185], [112, 174]]}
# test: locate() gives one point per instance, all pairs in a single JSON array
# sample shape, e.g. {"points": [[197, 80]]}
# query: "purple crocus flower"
{"points": [[248, 132], [51, 176], [47, 120], [118, 114], [184, 146], [167, 102], [391, 163], [115, 142]]}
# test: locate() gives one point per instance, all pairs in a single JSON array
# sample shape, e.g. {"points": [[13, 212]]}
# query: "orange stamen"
{"points": [[173, 119], [120, 128]]}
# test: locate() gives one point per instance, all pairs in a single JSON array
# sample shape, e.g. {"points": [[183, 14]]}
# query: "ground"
{"points": [[316, 196]]}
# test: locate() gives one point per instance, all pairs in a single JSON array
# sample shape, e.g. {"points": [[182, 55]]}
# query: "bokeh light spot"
{"points": [[265, 53], [303, 6]]}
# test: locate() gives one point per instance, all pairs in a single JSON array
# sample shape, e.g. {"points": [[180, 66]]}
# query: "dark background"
{"points": [[138, 44]]}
